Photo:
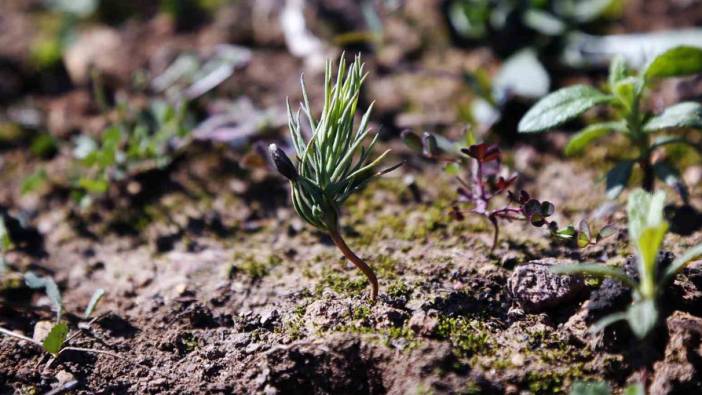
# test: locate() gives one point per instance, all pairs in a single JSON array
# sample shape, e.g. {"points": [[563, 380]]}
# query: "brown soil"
{"points": [[214, 285]]}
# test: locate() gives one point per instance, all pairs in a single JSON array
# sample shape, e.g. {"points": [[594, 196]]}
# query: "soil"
{"points": [[214, 285]]}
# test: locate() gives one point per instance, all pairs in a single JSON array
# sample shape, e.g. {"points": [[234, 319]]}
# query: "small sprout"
{"points": [[94, 300], [52, 291], [333, 163], [488, 182], [647, 230], [626, 96]]}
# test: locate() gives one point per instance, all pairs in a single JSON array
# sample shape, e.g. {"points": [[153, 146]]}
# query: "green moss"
{"points": [[252, 267], [398, 289], [187, 343], [340, 283], [468, 337]]}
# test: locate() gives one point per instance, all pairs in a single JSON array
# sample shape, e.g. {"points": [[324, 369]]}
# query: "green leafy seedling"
{"points": [[333, 163], [55, 339], [647, 229], [627, 90]]}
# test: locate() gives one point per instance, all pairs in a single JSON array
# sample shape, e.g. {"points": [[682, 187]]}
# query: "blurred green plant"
{"points": [[647, 230], [149, 139], [333, 163], [480, 19], [626, 94]]}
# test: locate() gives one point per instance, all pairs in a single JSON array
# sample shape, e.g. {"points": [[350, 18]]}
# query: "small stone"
{"points": [[99, 48], [252, 348], [536, 289], [517, 360], [269, 318], [41, 330], [63, 377]]}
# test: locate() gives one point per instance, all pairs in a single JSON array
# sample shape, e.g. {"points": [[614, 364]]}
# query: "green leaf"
{"points": [[648, 245], [589, 10], [644, 210], [54, 340], [618, 71], [627, 89], [605, 232], [617, 178], [5, 240], [680, 262], [560, 107], [679, 116], [642, 317], [52, 291], [595, 270], [543, 22], [590, 388], [412, 141], [94, 300], [675, 62], [591, 133], [635, 389], [607, 321], [452, 169]]}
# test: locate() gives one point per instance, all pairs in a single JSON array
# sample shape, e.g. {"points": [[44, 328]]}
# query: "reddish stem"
{"points": [[341, 244]]}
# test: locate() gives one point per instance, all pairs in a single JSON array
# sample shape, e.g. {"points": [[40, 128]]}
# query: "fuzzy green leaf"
{"points": [[580, 140], [642, 317], [680, 262], [52, 291], [560, 107], [635, 389], [617, 178], [607, 321], [94, 300], [644, 210], [54, 340], [595, 270], [675, 62], [618, 71], [679, 116], [590, 388]]}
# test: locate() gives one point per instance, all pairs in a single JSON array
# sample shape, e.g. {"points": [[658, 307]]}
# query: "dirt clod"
{"points": [[536, 289]]}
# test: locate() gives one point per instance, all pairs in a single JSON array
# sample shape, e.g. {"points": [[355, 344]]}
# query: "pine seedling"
{"points": [[333, 163]]}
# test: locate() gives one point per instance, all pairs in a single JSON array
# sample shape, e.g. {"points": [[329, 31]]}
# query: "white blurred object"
{"points": [[637, 49], [300, 41]]}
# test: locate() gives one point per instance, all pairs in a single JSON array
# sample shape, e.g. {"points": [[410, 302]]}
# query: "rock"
{"points": [[100, 48], [536, 289], [269, 318], [63, 377], [680, 372], [41, 330]]}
